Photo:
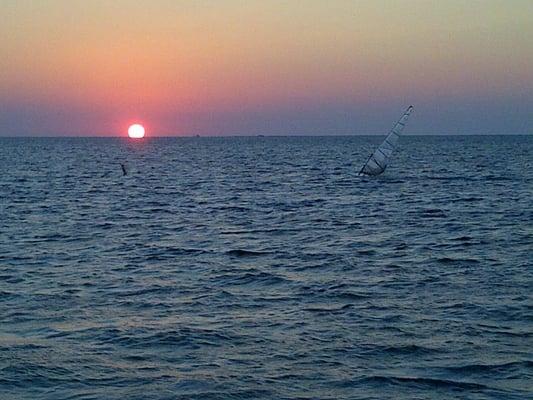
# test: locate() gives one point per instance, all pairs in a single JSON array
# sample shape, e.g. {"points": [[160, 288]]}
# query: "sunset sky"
{"points": [[227, 67]]}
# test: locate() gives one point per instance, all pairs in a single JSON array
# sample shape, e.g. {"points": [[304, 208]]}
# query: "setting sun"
{"points": [[136, 131]]}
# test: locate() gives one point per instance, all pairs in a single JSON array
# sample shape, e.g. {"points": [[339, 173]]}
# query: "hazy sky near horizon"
{"points": [[224, 67]]}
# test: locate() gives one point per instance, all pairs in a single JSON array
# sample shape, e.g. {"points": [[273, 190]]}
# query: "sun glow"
{"points": [[136, 131]]}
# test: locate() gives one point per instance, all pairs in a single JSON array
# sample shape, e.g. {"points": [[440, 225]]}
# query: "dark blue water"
{"points": [[265, 268]]}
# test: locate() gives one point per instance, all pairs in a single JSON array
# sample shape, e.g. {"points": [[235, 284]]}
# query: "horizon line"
{"points": [[258, 135]]}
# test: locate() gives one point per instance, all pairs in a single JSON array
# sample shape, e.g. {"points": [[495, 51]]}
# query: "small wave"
{"points": [[409, 349], [263, 278], [433, 213], [328, 309], [22, 347], [431, 382], [246, 253], [165, 253], [144, 291], [368, 252], [497, 178], [349, 295], [450, 260], [271, 231], [217, 395], [471, 199], [450, 178], [482, 368], [232, 208], [51, 237], [11, 279], [8, 295], [142, 338], [462, 239], [26, 373]]}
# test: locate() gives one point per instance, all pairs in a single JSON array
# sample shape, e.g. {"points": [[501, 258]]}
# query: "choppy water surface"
{"points": [[265, 268]]}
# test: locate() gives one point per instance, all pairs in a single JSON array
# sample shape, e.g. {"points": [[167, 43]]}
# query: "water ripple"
{"points": [[265, 268]]}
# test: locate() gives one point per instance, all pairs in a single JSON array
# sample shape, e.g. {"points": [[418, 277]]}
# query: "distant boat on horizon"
{"points": [[379, 159]]}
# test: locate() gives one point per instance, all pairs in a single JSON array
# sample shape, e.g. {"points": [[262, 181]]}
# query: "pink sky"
{"points": [[236, 67]]}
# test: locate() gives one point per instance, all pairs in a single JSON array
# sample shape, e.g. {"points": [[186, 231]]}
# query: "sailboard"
{"points": [[379, 159]]}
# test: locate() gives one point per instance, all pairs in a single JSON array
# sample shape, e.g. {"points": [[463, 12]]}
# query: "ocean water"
{"points": [[265, 268]]}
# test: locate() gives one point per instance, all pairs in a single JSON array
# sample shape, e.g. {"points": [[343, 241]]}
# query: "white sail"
{"points": [[378, 161]]}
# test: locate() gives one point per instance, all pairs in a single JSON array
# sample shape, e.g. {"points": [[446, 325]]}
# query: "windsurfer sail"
{"points": [[378, 161]]}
